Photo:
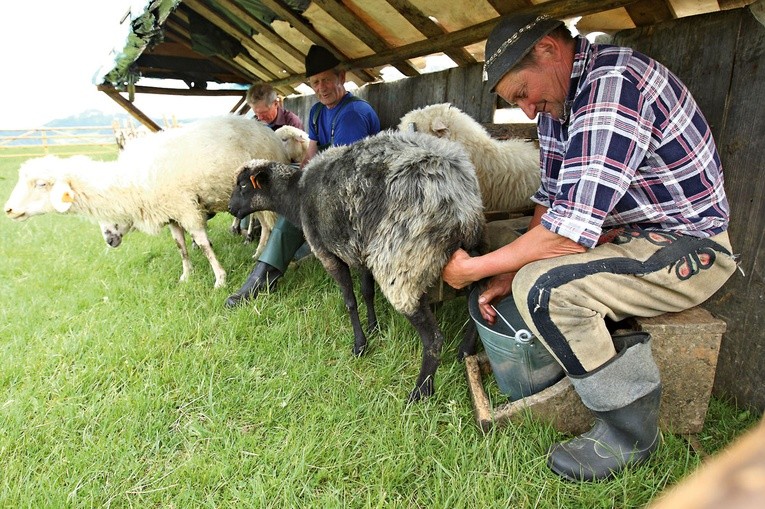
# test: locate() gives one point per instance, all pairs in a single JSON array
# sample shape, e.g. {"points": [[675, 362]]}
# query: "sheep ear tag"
{"points": [[255, 182], [61, 196]]}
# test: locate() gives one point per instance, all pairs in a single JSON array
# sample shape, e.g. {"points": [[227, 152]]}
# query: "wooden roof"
{"points": [[240, 42]]}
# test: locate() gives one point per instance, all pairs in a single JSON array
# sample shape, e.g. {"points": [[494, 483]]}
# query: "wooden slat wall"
{"points": [[721, 57], [461, 86]]}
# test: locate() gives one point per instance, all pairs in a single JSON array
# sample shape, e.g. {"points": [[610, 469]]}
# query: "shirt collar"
{"points": [[581, 59]]}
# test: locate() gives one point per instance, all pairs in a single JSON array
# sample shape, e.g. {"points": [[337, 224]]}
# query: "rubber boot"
{"points": [[624, 396], [263, 276]]}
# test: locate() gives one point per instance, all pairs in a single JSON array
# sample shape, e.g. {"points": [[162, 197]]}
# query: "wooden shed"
{"points": [[717, 47]]}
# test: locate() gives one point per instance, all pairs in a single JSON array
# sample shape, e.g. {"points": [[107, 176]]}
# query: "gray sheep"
{"points": [[395, 206]]}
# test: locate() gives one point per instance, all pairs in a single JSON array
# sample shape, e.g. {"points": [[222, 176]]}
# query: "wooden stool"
{"points": [[685, 346]]}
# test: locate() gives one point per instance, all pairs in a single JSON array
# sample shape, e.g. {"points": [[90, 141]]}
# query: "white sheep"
{"points": [[508, 170], [176, 178], [395, 206], [295, 142]]}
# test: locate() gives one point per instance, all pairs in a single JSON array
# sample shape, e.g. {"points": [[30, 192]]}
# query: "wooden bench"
{"points": [[685, 347]]}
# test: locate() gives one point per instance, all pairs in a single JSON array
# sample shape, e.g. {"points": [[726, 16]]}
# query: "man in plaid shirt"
{"points": [[631, 220]]}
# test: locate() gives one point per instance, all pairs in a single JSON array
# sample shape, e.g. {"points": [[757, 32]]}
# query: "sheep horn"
{"points": [[254, 181]]}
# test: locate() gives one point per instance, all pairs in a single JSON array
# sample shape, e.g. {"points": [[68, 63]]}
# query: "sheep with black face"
{"points": [[395, 206]]}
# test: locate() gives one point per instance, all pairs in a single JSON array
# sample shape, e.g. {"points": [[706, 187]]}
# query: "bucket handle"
{"points": [[522, 335]]}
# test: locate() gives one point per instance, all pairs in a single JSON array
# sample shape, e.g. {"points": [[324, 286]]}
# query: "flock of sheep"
{"points": [[395, 206]]}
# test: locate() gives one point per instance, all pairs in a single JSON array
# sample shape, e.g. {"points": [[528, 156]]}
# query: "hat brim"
{"points": [[512, 55]]}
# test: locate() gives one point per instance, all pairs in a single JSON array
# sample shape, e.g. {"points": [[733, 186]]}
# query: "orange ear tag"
{"points": [[255, 183]]}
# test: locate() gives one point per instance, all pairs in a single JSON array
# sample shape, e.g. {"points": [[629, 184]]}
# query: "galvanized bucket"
{"points": [[522, 366]]}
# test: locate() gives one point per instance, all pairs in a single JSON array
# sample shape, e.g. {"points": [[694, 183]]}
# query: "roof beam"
{"points": [[300, 24], [429, 28], [556, 9], [234, 31], [348, 20], [504, 7], [262, 29], [129, 107], [648, 12], [560, 9]]}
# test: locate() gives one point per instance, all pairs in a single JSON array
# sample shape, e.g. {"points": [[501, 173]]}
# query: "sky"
{"points": [[50, 51]]}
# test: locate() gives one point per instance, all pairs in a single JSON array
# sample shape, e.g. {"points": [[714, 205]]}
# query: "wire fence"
{"points": [[42, 141]]}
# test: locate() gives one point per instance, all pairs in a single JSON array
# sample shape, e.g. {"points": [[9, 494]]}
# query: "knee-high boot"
{"points": [[624, 395], [262, 277]]}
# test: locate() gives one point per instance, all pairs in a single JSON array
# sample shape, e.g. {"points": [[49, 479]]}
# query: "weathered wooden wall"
{"points": [[460, 86], [721, 57]]}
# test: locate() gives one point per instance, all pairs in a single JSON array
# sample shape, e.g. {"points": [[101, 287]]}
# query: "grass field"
{"points": [[121, 387]]}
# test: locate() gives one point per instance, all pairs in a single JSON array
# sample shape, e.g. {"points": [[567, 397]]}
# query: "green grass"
{"points": [[120, 387]]}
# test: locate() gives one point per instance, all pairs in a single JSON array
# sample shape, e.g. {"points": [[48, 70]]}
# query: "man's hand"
{"points": [[498, 287], [456, 271]]}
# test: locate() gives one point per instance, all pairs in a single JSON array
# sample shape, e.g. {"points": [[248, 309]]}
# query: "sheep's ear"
{"points": [[439, 128], [259, 179], [61, 196]]}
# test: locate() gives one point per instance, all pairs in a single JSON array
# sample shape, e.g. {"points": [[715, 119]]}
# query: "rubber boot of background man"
{"points": [[282, 245]]}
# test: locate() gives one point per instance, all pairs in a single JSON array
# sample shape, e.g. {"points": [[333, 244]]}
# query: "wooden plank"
{"points": [[649, 12], [508, 131], [504, 7], [298, 22], [263, 29], [129, 107], [742, 359], [266, 57], [357, 27], [555, 8], [428, 28]]}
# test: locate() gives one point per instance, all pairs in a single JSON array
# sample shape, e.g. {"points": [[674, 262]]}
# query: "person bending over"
{"points": [[631, 219]]}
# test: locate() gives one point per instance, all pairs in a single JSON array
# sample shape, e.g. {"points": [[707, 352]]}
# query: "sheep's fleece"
{"points": [[173, 178], [508, 170], [396, 205]]}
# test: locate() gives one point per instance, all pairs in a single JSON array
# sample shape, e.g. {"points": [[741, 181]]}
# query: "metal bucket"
{"points": [[522, 366]]}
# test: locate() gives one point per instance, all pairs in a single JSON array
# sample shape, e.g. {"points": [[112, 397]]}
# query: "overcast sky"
{"points": [[50, 51]]}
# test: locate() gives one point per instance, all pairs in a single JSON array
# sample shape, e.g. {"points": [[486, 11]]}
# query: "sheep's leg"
{"points": [[265, 232], [469, 341], [236, 227], [368, 293], [200, 237], [251, 228], [180, 240], [341, 273], [424, 321]]}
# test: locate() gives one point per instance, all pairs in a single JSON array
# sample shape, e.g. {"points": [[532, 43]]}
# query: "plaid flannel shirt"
{"points": [[634, 151]]}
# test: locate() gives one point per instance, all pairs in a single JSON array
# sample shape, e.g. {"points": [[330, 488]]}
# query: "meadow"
{"points": [[121, 387]]}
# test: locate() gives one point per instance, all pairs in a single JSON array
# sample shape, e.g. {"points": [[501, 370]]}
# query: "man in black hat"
{"points": [[339, 118], [631, 220]]}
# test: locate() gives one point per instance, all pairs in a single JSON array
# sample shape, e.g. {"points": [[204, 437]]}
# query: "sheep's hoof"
{"points": [[421, 392], [462, 353], [359, 350]]}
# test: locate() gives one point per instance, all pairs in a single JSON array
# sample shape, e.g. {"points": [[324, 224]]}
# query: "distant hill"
{"points": [[89, 118], [129, 127]]}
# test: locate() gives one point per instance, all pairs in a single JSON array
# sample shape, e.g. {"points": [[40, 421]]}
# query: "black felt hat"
{"points": [[511, 40], [319, 59]]}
